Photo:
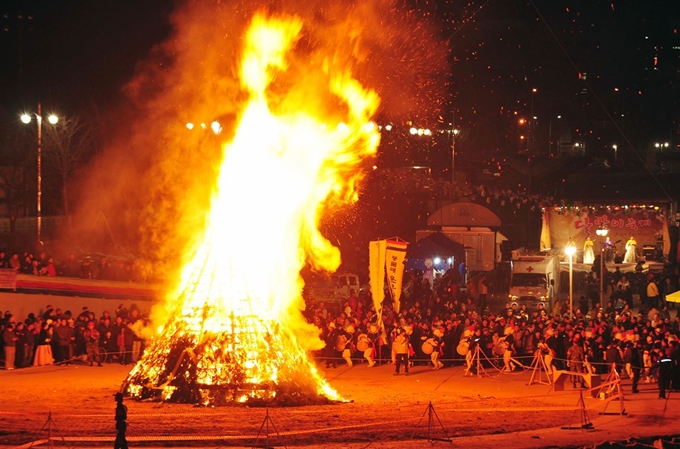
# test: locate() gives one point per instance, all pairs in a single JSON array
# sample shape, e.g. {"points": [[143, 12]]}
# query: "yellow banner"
{"points": [[376, 274]]}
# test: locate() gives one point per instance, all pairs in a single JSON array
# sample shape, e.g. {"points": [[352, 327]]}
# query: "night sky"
{"points": [[590, 61], [610, 70]]}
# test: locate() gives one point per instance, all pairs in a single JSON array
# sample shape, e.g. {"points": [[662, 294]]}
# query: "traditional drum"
{"points": [[428, 346], [363, 342]]}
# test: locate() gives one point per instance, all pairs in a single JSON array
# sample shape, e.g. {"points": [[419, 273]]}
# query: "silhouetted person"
{"points": [[121, 425]]}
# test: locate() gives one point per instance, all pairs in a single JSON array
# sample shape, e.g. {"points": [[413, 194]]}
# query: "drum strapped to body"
{"points": [[341, 343], [428, 346], [501, 346], [363, 342]]}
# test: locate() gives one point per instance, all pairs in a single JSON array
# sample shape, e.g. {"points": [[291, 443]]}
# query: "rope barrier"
{"points": [[171, 438]]}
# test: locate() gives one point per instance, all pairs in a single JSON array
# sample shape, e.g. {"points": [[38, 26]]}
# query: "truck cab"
{"points": [[534, 279], [344, 285]]}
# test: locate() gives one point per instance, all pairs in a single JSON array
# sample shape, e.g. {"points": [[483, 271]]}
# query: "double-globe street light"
{"points": [[52, 119], [570, 250]]}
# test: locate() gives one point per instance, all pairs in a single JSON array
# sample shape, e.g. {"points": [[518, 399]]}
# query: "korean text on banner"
{"points": [[394, 262]]}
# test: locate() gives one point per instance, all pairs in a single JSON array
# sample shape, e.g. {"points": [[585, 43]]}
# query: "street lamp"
{"points": [[550, 142], [52, 119], [530, 139], [454, 133], [616, 150], [570, 250], [602, 232]]}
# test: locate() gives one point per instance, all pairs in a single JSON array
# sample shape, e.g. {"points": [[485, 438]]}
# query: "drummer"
{"points": [[365, 346], [435, 341], [344, 343]]}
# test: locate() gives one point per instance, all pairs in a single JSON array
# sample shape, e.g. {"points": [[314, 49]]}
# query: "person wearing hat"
{"points": [[121, 424]]}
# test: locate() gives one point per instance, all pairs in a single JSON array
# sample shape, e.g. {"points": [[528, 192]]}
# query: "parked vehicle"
{"points": [[535, 278], [335, 289]]}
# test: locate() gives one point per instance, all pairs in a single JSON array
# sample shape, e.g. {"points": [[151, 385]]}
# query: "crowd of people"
{"points": [[61, 337], [448, 324], [42, 264], [440, 323]]}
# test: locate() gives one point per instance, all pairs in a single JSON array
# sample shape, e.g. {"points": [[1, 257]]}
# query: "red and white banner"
{"points": [[386, 262], [648, 227]]}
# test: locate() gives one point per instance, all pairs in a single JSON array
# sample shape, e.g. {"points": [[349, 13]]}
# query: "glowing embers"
{"points": [[250, 361]]}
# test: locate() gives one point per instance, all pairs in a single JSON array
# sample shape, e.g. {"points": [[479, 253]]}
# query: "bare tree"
{"points": [[15, 164], [66, 146]]}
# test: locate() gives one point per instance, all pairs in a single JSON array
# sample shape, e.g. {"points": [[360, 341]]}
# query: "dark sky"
{"points": [[72, 54], [69, 53]]}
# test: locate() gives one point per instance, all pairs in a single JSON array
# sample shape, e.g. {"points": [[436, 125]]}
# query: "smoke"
{"points": [[154, 182]]}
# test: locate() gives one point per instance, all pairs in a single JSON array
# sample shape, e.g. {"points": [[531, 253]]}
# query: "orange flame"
{"points": [[288, 162]]}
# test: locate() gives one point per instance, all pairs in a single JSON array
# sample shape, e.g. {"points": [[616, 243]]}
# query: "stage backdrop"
{"points": [[649, 227]]}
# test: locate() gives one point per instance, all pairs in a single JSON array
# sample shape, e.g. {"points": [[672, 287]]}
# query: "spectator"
{"points": [[9, 338], [43, 350]]}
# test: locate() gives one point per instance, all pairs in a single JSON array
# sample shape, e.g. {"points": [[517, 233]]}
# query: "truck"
{"points": [[335, 289], [534, 278]]}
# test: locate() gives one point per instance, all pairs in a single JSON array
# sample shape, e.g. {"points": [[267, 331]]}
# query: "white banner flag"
{"points": [[395, 254]]}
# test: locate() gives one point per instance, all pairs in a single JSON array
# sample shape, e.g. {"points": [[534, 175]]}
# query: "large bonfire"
{"points": [[235, 332]]}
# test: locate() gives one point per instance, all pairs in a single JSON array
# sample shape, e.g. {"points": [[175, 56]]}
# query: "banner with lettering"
{"points": [[648, 227], [8, 279], [395, 255], [376, 273]]}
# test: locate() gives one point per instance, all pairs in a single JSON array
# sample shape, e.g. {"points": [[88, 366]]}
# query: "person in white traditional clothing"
{"points": [[631, 251], [432, 346], [43, 351], [365, 345], [588, 254]]}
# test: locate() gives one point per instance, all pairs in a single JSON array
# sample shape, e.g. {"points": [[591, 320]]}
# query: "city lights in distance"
{"points": [[420, 131]]}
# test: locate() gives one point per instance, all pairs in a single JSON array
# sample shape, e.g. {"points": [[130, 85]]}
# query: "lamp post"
{"points": [[569, 251], [602, 232], [53, 119], [454, 133], [530, 138], [550, 142]]}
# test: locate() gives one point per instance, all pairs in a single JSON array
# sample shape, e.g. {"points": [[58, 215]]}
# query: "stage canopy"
{"points": [[435, 245]]}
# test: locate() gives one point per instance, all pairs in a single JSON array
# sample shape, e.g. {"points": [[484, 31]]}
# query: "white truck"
{"points": [[534, 278], [335, 289]]}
